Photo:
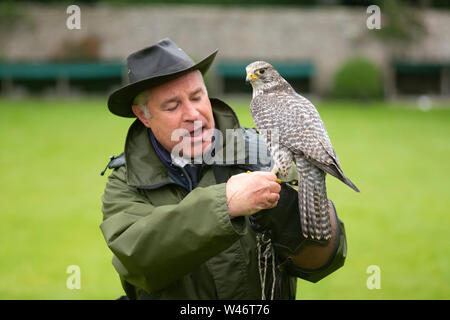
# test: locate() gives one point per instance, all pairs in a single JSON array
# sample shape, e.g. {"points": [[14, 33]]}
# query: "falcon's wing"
{"points": [[299, 124], [301, 129]]}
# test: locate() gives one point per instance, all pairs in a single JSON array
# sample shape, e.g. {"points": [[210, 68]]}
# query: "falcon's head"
{"points": [[261, 73]]}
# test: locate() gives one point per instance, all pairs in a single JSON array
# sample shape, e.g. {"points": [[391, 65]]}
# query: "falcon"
{"points": [[294, 132]]}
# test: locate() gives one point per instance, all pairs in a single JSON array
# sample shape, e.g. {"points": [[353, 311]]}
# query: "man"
{"points": [[182, 222]]}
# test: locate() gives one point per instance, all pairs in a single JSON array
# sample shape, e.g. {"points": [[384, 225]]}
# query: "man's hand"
{"points": [[247, 193]]}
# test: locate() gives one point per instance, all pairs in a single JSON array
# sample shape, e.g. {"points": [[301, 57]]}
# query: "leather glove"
{"points": [[282, 225]]}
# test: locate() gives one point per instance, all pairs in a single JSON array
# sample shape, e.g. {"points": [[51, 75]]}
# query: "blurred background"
{"points": [[383, 94]]}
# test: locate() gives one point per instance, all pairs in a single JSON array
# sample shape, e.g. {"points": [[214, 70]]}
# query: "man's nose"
{"points": [[190, 112]]}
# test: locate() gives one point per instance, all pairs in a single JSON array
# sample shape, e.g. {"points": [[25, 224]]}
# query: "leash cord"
{"points": [[269, 252]]}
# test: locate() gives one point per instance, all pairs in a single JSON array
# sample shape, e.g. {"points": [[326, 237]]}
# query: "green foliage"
{"points": [[9, 14], [402, 23], [358, 78], [360, 3], [206, 2]]}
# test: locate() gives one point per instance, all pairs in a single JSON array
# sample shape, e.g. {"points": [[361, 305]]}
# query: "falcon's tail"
{"points": [[313, 201]]}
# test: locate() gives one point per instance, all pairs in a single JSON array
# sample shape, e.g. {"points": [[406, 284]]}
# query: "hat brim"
{"points": [[121, 100]]}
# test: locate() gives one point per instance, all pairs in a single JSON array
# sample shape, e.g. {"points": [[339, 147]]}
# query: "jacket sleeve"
{"points": [[156, 245]]}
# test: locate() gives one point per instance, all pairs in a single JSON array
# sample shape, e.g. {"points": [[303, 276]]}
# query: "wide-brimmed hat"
{"points": [[151, 67]]}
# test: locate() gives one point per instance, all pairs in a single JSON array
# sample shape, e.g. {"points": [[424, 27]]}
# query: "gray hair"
{"points": [[141, 100]]}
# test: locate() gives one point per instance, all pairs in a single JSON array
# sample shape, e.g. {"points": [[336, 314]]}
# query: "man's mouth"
{"points": [[198, 134], [197, 131]]}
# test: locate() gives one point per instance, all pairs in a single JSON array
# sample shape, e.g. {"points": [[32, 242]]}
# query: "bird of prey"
{"points": [[294, 131]]}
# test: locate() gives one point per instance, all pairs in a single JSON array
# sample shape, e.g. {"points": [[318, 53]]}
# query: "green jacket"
{"points": [[172, 243]]}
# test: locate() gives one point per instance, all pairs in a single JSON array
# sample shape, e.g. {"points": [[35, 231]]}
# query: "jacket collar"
{"points": [[144, 167]]}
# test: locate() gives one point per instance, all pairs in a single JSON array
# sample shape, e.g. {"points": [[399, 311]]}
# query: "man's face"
{"points": [[182, 103]]}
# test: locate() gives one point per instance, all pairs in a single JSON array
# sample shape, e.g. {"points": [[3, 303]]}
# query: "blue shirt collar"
{"points": [[162, 153]]}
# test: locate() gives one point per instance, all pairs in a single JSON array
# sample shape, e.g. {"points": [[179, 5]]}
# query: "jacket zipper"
{"points": [[187, 177]]}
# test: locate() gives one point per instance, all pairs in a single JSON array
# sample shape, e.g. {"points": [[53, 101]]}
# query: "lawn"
{"points": [[52, 152]]}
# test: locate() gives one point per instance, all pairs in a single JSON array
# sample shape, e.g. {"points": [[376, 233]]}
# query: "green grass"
{"points": [[52, 152]]}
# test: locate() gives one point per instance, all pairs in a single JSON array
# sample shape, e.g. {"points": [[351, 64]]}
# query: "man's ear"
{"points": [[140, 115]]}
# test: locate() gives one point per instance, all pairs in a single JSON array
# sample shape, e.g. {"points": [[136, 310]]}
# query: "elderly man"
{"points": [[182, 220]]}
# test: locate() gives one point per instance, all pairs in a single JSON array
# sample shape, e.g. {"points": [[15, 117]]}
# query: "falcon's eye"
{"points": [[262, 71]]}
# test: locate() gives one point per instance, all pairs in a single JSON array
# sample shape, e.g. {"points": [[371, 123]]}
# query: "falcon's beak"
{"points": [[250, 77]]}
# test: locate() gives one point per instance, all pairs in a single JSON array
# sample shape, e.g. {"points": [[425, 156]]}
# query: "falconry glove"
{"points": [[282, 225]]}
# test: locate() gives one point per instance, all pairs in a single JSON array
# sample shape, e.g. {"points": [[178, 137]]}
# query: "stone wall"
{"points": [[325, 36]]}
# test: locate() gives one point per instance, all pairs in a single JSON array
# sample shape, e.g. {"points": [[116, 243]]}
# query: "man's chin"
{"points": [[196, 150]]}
